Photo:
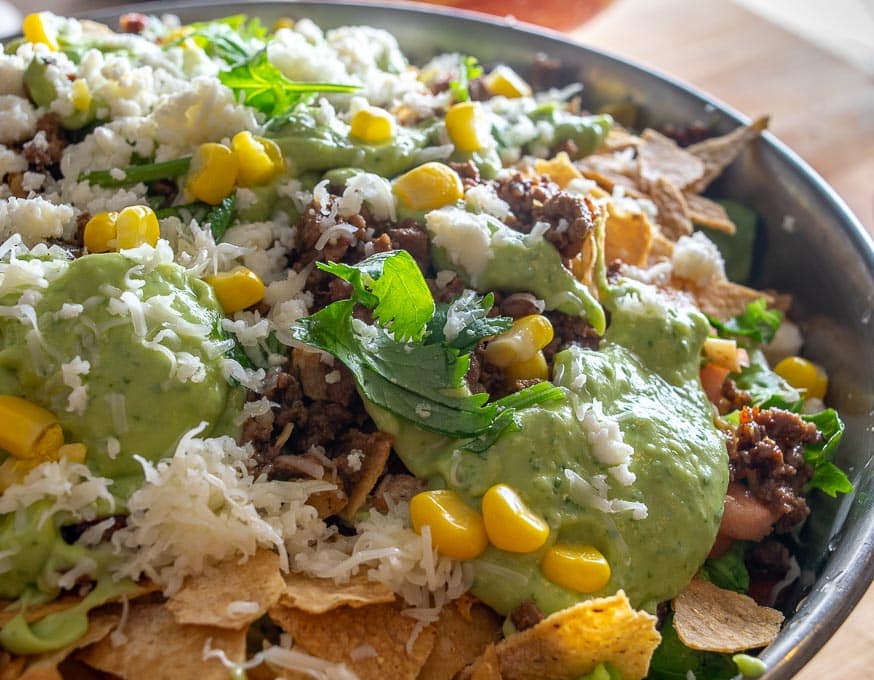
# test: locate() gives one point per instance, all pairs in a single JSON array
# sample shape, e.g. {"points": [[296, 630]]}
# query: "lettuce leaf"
{"points": [[728, 571], [827, 477], [755, 326]]}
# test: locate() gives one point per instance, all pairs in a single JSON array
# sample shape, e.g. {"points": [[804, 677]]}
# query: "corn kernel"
{"points": [[803, 375], [37, 28], [506, 82], [283, 22], [457, 530], [521, 342], [80, 94], [467, 126], [28, 431], [372, 125], [259, 158], [534, 368], [581, 568], [510, 524], [237, 289], [428, 187], [101, 232], [73, 452], [135, 226], [213, 173]]}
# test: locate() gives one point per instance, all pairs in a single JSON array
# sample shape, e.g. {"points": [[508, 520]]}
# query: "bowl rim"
{"points": [[851, 566]]}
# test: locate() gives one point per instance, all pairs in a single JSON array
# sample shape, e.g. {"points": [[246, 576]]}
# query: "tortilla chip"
{"points": [[712, 619], [374, 451], [710, 214], [45, 666], [660, 248], [572, 642], [559, 169], [159, 648], [232, 594], [720, 298], [337, 634], [328, 503], [673, 213], [629, 236], [718, 152], [610, 170], [661, 157], [619, 138], [486, 667], [320, 595], [463, 633]]}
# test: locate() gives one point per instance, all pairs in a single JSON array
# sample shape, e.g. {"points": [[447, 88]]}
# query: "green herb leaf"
{"points": [[766, 388], [232, 39], [265, 88], [728, 571], [219, 217], [827, 477], [134, 174], [755, 326], [468, 69], [470, 321]]}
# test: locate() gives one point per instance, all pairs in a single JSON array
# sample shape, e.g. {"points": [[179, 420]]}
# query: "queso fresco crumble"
{"points": [[315, 361]]}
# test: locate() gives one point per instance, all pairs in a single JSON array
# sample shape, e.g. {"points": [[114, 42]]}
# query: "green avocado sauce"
{"points": [[645, 376], [133, 398]]}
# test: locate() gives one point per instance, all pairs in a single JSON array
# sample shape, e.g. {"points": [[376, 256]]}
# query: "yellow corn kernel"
{"points": [[28, 431], [467, 126], [372, 125], [521, 342], [213, 173], [282, 22], [136, 225], [73, 452], [510, 524], [259, 159], [534, 368], [457, 530], [506, 82], [237, 289], [101, 232], [803, 375], [175, 35], [37, 28], [581, 568], [428, 187], [80, 94]]}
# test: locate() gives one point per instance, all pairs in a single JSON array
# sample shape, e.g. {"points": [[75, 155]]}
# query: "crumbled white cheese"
{"points": [[371, 189], [484, 198], [464, 236], [698, 259], [71, 375], [19, 119], [35, 219]]}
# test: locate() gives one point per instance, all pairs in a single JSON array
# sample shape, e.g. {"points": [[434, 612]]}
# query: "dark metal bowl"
{"points": [[814, 248]]}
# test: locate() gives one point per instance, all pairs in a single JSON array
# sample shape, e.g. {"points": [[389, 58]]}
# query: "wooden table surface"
{"points": [[820, 106]]}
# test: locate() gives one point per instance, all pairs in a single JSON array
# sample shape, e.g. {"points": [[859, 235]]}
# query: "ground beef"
{"points": [[568, 331], [546, 73], [526, 615], [532, 200], [396, 488], [468, 171], [766, 452], [412, 238], [15, 180], [45, 149], [483, 376], [134, 22], [731, 398], [449, 292], [166, 189], [686, 135], [517, 305]]}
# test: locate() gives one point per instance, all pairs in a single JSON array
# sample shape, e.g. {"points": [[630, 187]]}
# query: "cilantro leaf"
{"points": [[766, 388], [219, 217], [756, 325], [232, 39], [392, 285], [468, 69], [466, 319], [265, 88], [827, 477], [728, 571]]}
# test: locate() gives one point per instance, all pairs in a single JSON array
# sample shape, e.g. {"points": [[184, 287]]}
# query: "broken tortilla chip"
{"points": [[372, 452], [712, 619], [610, 170], [45, 666], [559, 169], [720, 298], [619, 138], [573, 641], [673, 213], [710, 214], [628, 237], [486, 667], [718, 152], [319, 595], [462, 634], [371, 641], [159, 648], [661, 157], [231, 594]]}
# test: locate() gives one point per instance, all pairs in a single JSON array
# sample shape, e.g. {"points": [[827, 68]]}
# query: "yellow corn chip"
{"points": [[629, 236], [673, 212], [661, 158], [572, 642], [710, 214], [611, 170], [559, 169], [463, 633], [712, 619], [718, 152], [371, 641], [328, 503], [376, 449], [619, 138], [159, 648], [720, 298], [230, 595], [319, 595], [486, 667]]}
